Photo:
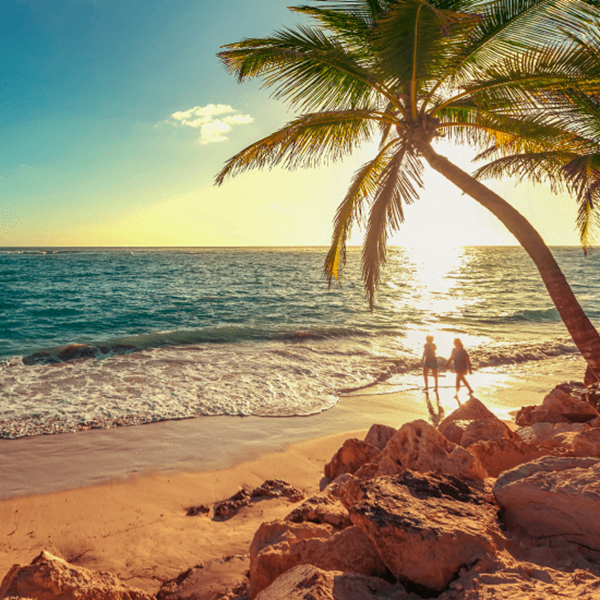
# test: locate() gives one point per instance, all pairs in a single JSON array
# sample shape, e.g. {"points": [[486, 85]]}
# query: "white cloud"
{"points": [[213, 126]]}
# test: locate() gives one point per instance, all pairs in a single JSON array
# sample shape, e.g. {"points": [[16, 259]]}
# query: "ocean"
{"points": [[100, 337]]}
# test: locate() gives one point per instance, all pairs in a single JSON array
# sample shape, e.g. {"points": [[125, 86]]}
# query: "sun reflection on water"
{"points": [[437, 276]]}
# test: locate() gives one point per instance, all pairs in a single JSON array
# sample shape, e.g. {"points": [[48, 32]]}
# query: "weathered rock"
{"points": [[230, 507], [276, 488], [309, 582], [587, 443], [380, 435], [553, 496], [350, 457], [367, 471], [501, 455], [565, 399], [194, 511], [324, 507], [51, 578], [550, 435], [420, 447], [472, 422], [529, 415], [471, 410], [425, 527], [280, 545]]}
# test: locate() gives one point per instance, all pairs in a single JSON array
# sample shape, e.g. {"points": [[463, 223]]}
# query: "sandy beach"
{"points": [[116, 499]]}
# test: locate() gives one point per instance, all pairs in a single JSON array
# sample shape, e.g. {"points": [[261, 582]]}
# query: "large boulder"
{"points": [[501, 455], [379, 435], [587, 443], [306, 581], [425, 527], [567, 402], [557, 496], [551, 435], [473, 422], [420, 447], [51, 578], [350, 457], [280, 545]]}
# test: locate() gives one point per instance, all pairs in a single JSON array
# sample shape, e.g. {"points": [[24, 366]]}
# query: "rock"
{"points": [[350, 457], [501, 455], [309, 582], [565, 399], [528, 415], [194, 511], [275, 488], [51, 578], [425, 527], [472, 422], [553, 496], [324, 507], [380, 435], [587, 443], [471, 410], [420, 447], [280, 545], [549, 434], [367, 471], [230, 507]]}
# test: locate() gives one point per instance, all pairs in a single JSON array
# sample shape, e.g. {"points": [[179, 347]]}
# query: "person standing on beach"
{"points": [[429, 361], [462, 365]]}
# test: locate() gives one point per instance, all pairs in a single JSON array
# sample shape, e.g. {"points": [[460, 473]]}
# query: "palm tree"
{"points": [[408, 71]]}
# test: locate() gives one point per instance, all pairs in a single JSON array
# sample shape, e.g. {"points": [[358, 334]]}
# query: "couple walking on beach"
{"points": [[460, 357]]}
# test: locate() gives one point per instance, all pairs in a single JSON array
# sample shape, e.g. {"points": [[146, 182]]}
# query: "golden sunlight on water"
{"points": [[434, 271]]}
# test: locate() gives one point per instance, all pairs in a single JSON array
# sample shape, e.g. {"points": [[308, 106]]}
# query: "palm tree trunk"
{"points": [[582, 331]]}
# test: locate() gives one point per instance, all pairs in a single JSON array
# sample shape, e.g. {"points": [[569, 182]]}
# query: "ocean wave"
{"points": [[210, 335]]}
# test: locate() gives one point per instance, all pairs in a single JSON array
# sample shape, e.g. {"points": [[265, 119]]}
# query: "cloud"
{"points": [[213, 120]]}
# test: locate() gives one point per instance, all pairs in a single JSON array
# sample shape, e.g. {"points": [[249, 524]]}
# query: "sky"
{"points": [[116, 116]]}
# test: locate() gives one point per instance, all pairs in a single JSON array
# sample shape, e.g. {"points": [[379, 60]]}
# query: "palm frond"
{"points": [[307, 141], [397, 186], [362, 190], [306, 68]]}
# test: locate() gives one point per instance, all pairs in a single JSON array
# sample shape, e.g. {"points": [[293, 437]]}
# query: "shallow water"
{"points": [[159, 334]]}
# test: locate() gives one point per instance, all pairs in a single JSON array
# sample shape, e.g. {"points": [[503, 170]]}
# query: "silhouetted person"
{"points": [[429, 361], [462, 365]]}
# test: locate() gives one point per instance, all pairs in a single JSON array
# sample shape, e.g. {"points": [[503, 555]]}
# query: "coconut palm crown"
{"points": [[491, 74]]}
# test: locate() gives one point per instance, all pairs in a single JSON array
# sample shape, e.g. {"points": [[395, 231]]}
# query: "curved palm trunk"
{"points": [[582, 331]]}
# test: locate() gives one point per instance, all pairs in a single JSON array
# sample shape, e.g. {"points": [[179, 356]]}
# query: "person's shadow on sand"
{"points": [[436, 414]]}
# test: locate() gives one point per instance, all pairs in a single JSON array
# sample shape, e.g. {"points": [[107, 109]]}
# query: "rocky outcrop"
{"points": [[501, 455], [324, 507], [351, 456], [277, 488], [425, 527], [420, 447], [51, 578], [587, 443], [306, 581], [271, 488], [280, 545], [557, 496], [551, 435], [380, 435], [566, 403], [473, 422]]}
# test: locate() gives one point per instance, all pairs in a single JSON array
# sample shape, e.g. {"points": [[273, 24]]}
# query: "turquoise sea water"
{"points": [[93, 337]]}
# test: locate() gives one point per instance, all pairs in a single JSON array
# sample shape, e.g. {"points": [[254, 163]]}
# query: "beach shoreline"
{"points": [[116, 500]]}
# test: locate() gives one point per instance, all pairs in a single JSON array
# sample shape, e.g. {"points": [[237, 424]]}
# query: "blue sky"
{"points": [[116, 116]]}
